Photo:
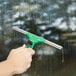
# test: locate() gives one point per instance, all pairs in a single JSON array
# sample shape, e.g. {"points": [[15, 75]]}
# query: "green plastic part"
{"points": [[34, 39]]}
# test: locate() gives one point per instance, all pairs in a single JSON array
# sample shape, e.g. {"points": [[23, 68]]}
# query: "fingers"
{"points": [[29, 62], [29, 49], [29, 65]]}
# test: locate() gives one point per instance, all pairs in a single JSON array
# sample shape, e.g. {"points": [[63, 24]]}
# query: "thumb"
{"points": [[24, 45]]}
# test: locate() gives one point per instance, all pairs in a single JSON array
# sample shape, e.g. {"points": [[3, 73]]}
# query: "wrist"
{"points": [[10, 67]]}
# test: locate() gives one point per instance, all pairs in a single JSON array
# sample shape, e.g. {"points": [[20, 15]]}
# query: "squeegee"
{"points": [[36, 39]]}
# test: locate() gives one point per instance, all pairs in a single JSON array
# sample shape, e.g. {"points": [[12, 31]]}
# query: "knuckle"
{"points": [[30, 60], [29, 66], [31, 51]]}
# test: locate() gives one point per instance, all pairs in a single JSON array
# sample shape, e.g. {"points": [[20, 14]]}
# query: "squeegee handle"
{"points": [[31, 37]]}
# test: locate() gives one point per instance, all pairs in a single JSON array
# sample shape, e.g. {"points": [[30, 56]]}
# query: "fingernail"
{"points": [[24, 45]]}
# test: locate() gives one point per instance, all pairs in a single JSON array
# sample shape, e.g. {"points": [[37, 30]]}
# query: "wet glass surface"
{"points": [[55, 20]]}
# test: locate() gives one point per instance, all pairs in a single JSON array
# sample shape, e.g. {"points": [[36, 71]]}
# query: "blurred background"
{"points": [[55, 20]]}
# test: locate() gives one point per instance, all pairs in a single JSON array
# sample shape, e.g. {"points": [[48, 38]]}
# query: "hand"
{"points": [[20, 59]]}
